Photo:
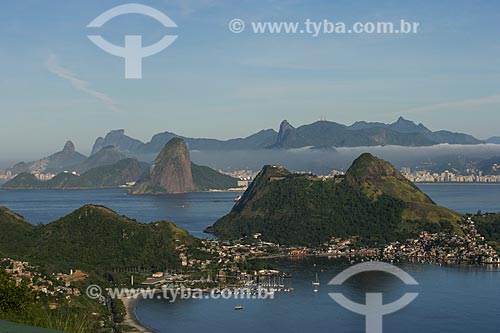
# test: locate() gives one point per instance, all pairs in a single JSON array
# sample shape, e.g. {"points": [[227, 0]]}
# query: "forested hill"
{"points": [[94, 239], [107, 176], [372, 201]]}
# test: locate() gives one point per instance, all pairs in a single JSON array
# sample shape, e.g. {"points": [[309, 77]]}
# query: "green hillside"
{"points": [[21, 304], [374, 177], [488, 225], [206, 178], [25, 181], [106, 156], [374, 202], [16, 234], [107, 176], [94, 239]]}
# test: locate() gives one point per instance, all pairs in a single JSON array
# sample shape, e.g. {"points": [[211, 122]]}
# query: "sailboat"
{"points": [[316, 282]]}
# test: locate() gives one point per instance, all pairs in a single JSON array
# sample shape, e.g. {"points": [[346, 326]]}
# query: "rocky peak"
{"points": [[375, 176], [171, 172], [407, 126], [285, 126], [115, 134], [69, 147], [285, 129], [369, 167]]}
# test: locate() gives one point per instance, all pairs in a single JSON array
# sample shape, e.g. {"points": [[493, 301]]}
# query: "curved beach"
{"points": [[131, 318]]}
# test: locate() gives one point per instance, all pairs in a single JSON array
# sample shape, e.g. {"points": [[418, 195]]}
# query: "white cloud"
{"points": [[82, 85]]}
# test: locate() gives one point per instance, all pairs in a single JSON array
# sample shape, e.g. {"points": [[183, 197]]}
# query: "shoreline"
{"points": [[131, 318]]}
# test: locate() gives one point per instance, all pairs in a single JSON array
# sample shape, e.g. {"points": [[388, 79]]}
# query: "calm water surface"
{"points": [[465, 198], [196, 211], [450, 299], [191, 211]]}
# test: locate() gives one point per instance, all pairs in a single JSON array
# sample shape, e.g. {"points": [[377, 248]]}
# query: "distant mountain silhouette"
{"points": [[494, 139], [321, 134], [401, 133], [54, 163], [129, 145]]}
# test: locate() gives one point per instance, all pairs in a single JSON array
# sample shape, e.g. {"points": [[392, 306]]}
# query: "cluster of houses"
{"points": [[57, 285], [441, 247], [470, 248]]}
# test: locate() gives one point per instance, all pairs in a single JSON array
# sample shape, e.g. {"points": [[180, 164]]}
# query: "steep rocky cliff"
{"points": [[171, 172]]}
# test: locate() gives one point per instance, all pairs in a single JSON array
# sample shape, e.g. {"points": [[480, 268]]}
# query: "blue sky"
{"points": [[57, 85]]}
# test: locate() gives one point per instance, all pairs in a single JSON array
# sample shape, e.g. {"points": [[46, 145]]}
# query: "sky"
{"points": [[57, 85]]}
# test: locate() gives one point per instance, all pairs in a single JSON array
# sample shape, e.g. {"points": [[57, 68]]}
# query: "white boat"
{"points": [[238, 307], [316, 282]]}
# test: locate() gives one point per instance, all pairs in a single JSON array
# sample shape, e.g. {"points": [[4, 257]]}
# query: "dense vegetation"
{"points": [[297, 211], [108, 176], [18, 303], [374, 176], [374, 202], [25, 181], [16, 234], [206, 178], [94, 239], [488, 225]]}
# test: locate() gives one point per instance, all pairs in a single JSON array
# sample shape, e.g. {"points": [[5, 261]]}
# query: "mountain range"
{"points": [[494, 140], [57, 162], [319, 134], [266, 146], [68, 159], [126, 144], [172, 172], [330, 134]]}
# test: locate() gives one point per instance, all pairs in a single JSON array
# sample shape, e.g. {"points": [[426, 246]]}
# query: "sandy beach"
{"points": [[131, 318]]}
